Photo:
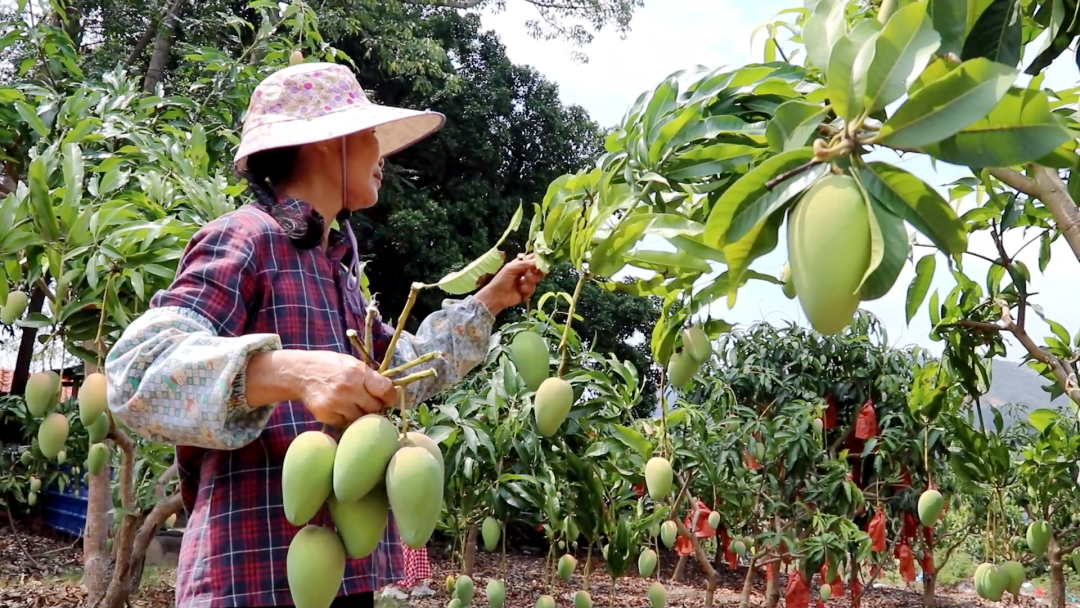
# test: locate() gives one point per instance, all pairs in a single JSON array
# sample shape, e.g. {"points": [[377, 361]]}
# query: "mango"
{"points": [[420, 440], [61, 456], [360, 524], [489, 532], [363, 453], [315, 566], [567, 565], [714, 520], [668, 531], [171, 521], [14, 307], [646, 563], [572, 532], [307, 475], [496, 593], [464, 589], [681, 368], [658, 477], [41, 392], [979, 580], [450, 584], [92, 398], [562, 545], [930, 506], [99, 429], [109, 545], [657, 595], [454, 603], [829, 251], [545, 601], [35, 484], [696, 342], [1016, 575], [825, 592], [996, 581], [1076, 560], [296, 57], [551, 405], [414, 485], [788, 284], [27, 458], [96, 458], [529, 352], [1038, 537], [818, 426], [738, 547], [582, 599], [52, 434], [31, 498]]}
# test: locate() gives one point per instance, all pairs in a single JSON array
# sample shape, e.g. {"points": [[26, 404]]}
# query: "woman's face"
{"points": [[364, 170]]}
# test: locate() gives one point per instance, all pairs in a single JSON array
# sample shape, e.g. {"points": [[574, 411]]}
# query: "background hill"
{"points": [[1015, 383]]}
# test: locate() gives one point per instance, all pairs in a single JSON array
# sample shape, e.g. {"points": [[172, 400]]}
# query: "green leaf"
{"points": [[758, 242], [997, 34], [709, 161], [73, 176], [895, 248], [27, 113], [751, 213], [666, 262], [948, 105], [823, 30], [1042, 418], [746, 191], [795, 121], [920, 285], [901, 52], [914, 200], [468, 278], [845, 100], [950, 21], [1044, 251], [41, 201], [1020, 129]]}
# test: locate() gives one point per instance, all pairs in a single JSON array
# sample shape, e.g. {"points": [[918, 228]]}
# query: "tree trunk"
{"points": [[748, 584], [96, 558], [680, 568], [929, 590], [772, 585], [469, 557], [1057, 574], [26, 347], [155, 72]]}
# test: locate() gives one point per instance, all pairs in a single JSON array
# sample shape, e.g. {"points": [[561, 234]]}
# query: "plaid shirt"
{"points": [[176, 376]]}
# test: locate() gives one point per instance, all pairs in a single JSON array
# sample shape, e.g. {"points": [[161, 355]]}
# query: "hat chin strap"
{"points": [[352, 279]]}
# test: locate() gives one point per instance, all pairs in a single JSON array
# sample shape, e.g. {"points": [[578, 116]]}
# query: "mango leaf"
{"points": [[73, 177], [666, 262], [1042, 418], [997, 35], [752, 212], [914, 200], [920, 285], [895, 248], [950, 19], [845, 100], [41, 201], [877, 241], [948, 105], [749, 189], [823, 30], [709, 161], [758, 242], [1020, 129], [468, 278], [793, 125], [901, 52], [27, 113]]}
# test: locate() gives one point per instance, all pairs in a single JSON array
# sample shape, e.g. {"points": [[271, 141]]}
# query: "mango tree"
{"points": [[108, 182]]}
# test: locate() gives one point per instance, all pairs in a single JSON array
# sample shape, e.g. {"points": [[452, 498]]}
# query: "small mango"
{"points": [[658, 477], [41, 392], [496, 593], [360, 524], [552, 403], [930, 505], [582, 599], [646, 563], [668, 531], [92, 398], [96, 458], [697, 343], [825, 592], [52, 434], [545, 601], [681, 368], [657, 595], [464, 589], [714, 520], [567, 565], [99, 429], [489, 532]]}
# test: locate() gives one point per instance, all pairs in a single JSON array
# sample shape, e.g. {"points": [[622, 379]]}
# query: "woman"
{"points": [[248, 346]]}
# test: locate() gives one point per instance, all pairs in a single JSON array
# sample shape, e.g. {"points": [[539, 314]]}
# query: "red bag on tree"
{"points": [[796, 593], [701, 528], [866, 424], [928, 563], [907, 562], [829, 420], [836, 585], [905, 479], [911, 525], [876, 530]]}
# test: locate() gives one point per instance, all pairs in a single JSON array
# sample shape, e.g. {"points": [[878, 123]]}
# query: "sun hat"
{"points": [[311, 102]]}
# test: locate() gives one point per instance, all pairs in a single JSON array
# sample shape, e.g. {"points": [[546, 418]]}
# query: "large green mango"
{"points": [[307, 475], [315, 566], [551, 405], [1038, 537], [361, 524], [414, 485], [829, 251], [363, 454], [530, 355], [930, 506]]}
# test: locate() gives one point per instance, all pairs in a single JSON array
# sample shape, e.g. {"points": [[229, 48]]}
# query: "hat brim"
{"points": [[395, 128]]}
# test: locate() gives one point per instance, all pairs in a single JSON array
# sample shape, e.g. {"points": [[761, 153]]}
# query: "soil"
{"points": [[38, 570]]}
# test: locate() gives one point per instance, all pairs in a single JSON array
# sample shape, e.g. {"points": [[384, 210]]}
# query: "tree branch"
{"points": [[1066, 383], [703, 560], [123, 541], [1046, 185], [148, 35], [161, 511]]}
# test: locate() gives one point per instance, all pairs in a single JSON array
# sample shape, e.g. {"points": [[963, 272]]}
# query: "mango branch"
{"points": [[414, 291], [407, 380], [703, 560], [1045, 184], [424, 358], [564, 352]]}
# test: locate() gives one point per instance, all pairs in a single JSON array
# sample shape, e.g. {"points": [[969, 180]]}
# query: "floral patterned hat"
{"points": [[312, 102]]}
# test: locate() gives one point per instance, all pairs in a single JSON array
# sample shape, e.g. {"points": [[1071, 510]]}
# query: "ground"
{"points": [[50, 577]]}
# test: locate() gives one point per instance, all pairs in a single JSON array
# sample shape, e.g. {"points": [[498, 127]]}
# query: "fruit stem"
{"points": [[401, 405], [369, 323], [101, 321], [424, 358], [414, 291], [663, 414], [564, 352], [407, 380], [502, 560], [355, 340], [588, 565]]}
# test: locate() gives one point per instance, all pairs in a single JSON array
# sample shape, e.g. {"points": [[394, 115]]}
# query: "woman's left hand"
{"points": [[513, 284]]}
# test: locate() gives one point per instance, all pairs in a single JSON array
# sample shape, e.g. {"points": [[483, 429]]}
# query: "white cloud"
{"points": [[672, 35]]}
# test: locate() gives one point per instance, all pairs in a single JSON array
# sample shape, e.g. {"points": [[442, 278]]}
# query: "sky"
{"points": [[670, 35]]}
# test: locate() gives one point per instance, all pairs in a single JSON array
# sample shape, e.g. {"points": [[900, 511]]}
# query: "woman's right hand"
{"points": [[338, 388]]}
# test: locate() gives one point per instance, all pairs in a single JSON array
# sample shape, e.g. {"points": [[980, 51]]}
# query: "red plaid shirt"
{"points": [[177, 376]]}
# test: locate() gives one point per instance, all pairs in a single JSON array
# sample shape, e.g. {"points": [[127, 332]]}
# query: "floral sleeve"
{"points": [[177, 374], [460, 331]]}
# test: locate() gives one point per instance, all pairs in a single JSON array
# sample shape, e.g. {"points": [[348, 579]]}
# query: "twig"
{"points": [[364, 353], [564, 352], [407, 380], [369, 324], [776, 181], [424, 358], [18, 539], [414, 291]]}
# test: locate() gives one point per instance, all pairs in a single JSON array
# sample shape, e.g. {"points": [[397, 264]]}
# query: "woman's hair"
{"points": [[268, 169]]}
